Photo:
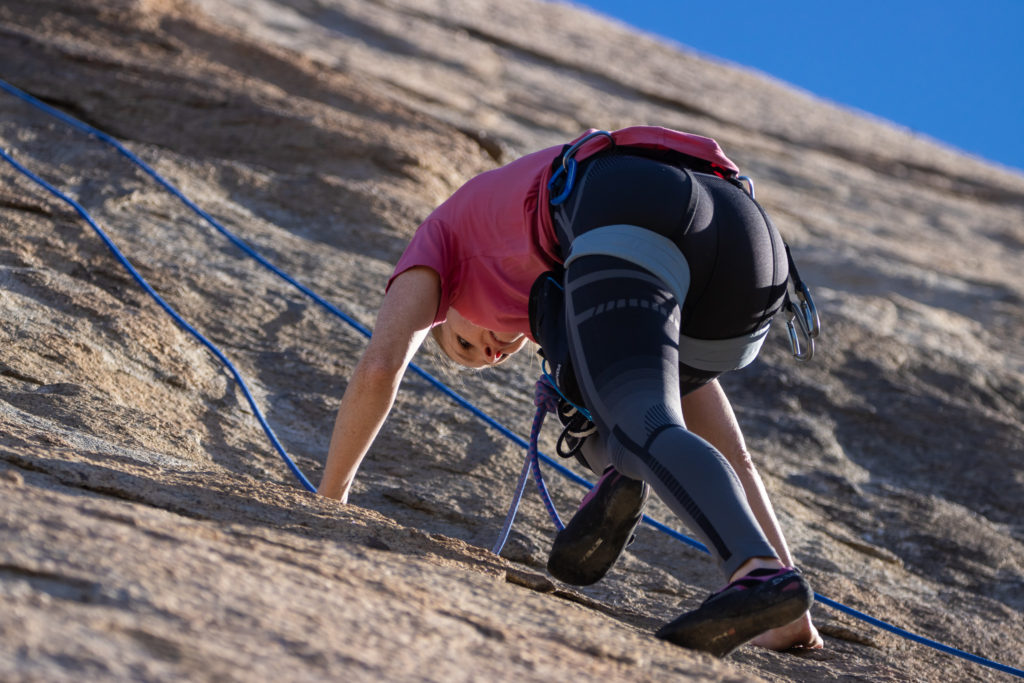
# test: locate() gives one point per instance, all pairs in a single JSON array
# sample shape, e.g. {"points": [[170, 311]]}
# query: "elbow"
{"points": [[380, 369]]}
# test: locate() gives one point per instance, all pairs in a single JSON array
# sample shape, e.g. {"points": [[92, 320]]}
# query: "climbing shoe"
{"points": [[602, 527], [762, 600]]}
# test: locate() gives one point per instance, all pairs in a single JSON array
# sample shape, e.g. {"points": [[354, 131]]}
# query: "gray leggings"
{"points": [[623, 326]]}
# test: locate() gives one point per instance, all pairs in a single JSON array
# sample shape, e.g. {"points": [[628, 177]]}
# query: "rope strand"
{"points": [[170, 311]]}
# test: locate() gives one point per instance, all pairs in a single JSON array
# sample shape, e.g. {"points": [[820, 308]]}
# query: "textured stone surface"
{"points": [[149, 531]]}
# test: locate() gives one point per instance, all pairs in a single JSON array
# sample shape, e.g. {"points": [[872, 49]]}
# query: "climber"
{"points": [[644, 270]]}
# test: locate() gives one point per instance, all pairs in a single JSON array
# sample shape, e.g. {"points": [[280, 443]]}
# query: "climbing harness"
{"points": [[804, 324], [547, 403]]}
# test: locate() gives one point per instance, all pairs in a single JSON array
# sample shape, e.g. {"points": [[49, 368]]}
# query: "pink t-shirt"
{"points": [[489, 242], [494, 237]]}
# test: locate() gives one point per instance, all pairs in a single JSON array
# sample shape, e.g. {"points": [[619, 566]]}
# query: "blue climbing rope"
{"points": [[248, 250], [170, 311], [532, 461], [916, 638]]}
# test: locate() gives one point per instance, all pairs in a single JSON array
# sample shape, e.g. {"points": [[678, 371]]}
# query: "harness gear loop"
{"points": [[750, 185], [576, 427], [568, 168], [803, 313]]}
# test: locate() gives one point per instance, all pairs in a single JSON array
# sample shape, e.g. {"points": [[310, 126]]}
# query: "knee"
{"points": [[627, 463]]}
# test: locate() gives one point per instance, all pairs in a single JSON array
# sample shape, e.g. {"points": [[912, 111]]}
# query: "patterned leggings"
{"points": [[623, 326]]}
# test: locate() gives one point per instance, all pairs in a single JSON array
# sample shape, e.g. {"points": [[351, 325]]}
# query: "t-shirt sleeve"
{"points": [[432, 246]]}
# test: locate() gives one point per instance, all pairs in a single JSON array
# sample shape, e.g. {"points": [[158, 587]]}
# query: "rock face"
{"points": [[151, 532]]}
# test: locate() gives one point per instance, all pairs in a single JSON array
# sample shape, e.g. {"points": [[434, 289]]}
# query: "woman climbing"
{"points": [[644, 271]]}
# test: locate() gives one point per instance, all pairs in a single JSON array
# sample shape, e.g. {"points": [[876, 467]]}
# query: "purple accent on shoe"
{"points": [[755, 577], [610, 472]]}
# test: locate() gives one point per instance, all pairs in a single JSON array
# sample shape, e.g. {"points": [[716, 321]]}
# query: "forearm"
{"points": [[402, 324], [364, 407]]}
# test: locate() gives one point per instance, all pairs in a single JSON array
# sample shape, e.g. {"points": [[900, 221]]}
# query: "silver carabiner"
{"points": [[806, 316], [811, 323], [799, 352]]}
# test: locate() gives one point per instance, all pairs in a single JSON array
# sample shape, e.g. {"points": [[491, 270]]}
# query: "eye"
{"points": [[462, 342]]}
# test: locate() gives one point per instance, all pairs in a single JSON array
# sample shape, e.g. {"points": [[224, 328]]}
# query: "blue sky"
{"points": [[953, 71]]}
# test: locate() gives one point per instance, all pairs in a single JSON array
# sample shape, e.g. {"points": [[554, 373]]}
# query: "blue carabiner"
{"points": [[568, 168], [570, 180]]}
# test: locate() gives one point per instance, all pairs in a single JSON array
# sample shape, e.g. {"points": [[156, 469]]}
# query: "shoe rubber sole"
{"points": [[730, 618], [584, 551]]}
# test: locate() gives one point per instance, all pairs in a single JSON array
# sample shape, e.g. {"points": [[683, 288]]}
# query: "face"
{"points": [[474, 346]]}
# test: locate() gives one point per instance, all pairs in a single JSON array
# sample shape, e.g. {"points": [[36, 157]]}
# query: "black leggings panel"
{"points": [[623, 326], [737, 260]]}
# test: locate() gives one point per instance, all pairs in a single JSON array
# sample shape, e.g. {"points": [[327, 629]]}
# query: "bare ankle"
{"points": [[756, 563]]}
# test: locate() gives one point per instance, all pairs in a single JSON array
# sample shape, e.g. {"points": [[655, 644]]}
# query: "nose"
{"points": [[496, 348], [491, 353]]}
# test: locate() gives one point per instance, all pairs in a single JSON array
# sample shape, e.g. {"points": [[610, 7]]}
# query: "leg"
{"points": [[709, 414], [602, 527], [623, 329]]}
